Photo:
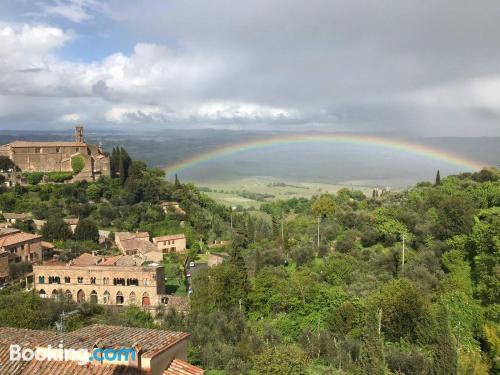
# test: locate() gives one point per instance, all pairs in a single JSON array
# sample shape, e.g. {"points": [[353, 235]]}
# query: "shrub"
{"points": [[33, 178], [60, 176], [77, 163]]}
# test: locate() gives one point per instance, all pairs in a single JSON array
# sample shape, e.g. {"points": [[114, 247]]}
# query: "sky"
{"points": [[413, 67]]}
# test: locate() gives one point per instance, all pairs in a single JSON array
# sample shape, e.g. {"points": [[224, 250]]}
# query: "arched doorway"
{"points": [[106, 297], [145, 300], [42, 293], [119, 298], [55, 294], [80, 296], [93, 297], [68, 295], [132, 298]]}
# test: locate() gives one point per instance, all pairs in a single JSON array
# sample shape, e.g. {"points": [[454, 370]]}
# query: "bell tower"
{"points": [[79, 134]]}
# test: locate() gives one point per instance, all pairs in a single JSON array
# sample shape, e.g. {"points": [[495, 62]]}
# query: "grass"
{"points": [[227, 192]]}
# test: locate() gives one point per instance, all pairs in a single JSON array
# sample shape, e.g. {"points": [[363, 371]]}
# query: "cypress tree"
{"points": [[445, 354], [177, 182], [438, 179]]}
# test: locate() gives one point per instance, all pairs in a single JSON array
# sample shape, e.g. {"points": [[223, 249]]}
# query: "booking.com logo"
{"points": [[82, 356]]}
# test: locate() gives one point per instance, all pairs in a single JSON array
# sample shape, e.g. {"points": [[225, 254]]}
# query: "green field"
{"points": [[232, 193]]}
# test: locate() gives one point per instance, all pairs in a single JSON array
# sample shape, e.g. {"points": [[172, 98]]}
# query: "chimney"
{"points": [[79, 133]]}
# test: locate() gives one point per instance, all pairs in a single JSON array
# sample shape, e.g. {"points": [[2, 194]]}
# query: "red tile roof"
{"points": [[61, 367], [16, 238], [86, 259], [152, 341], [179, 367]]}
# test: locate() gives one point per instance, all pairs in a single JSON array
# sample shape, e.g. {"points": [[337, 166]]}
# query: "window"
{"points": [[119, 298], [80, 280], [67, 279], [92, 280], [105, 281], [58, 149], [106, 297], [41, 279], [37, 150]]}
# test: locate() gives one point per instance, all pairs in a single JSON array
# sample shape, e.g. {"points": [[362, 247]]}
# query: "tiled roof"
{"points": [[8, 230], [47, 245], [86, 259], [61, 367], [130, 235], [152, 341], [170, 237], [47, 144], [179, 367], [27, 337], [16, 238]]}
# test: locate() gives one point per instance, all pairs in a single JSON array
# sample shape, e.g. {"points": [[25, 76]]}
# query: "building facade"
{"points": [[175, 243], [119, 281], [56, 156], [20, 246]]}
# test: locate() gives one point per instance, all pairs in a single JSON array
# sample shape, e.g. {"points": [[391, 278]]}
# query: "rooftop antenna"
{"points": [[60, 326]]}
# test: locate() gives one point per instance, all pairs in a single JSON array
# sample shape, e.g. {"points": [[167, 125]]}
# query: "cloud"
{"points": [[410, 68], [74, 10]]}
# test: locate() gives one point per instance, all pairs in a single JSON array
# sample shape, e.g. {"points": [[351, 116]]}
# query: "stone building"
{"points": [[119, 280], [21, 246], [214, 259], [138, 244], [174, 243], [143, 351], [56, 156]]}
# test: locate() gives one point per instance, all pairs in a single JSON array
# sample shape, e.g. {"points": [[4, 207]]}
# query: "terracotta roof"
{"points": [[61, 367], [86, 259], [8, 230], [138, 244], [27, 337], [152, 341], [130, 235], [47, 245], [16, 238], [47, 144], [179, 367], [170, 237]]}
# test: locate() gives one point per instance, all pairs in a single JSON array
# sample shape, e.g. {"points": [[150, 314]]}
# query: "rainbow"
{"points": [[355, 139]]}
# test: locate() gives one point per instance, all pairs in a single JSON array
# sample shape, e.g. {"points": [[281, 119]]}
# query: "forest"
{"points": [[312, 286]]}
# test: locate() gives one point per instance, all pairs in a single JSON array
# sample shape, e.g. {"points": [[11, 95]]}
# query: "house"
{"points": [[21, 246], [214, 259], [104, 235], [172, 207], [174, 243], [153, 352], [58, 156], [129, 242], [12, 218], [118, 280], [138, 244]]}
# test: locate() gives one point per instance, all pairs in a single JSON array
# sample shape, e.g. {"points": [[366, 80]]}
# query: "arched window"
{"points": [[93, 297], [132, 299], [68, 295], [145, 300], [119, 298], [42, 293], [80, 296], [41, 279], [106, 298], [67, 279], [55, 294]]}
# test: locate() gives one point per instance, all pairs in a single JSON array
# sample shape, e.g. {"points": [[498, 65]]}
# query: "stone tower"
{"points": [[79, 133]]}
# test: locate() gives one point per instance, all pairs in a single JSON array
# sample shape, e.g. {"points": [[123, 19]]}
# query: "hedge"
{"points": [[33, 178], [77, 164], [59, 176]]}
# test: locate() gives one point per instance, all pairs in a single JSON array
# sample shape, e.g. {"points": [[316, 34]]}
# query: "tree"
{"points": [[177, 183], [324, 206], [56, 229], [445, 355], [6, 163], [438, 179], [281, 360], [77, 163], [86, 230]]}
